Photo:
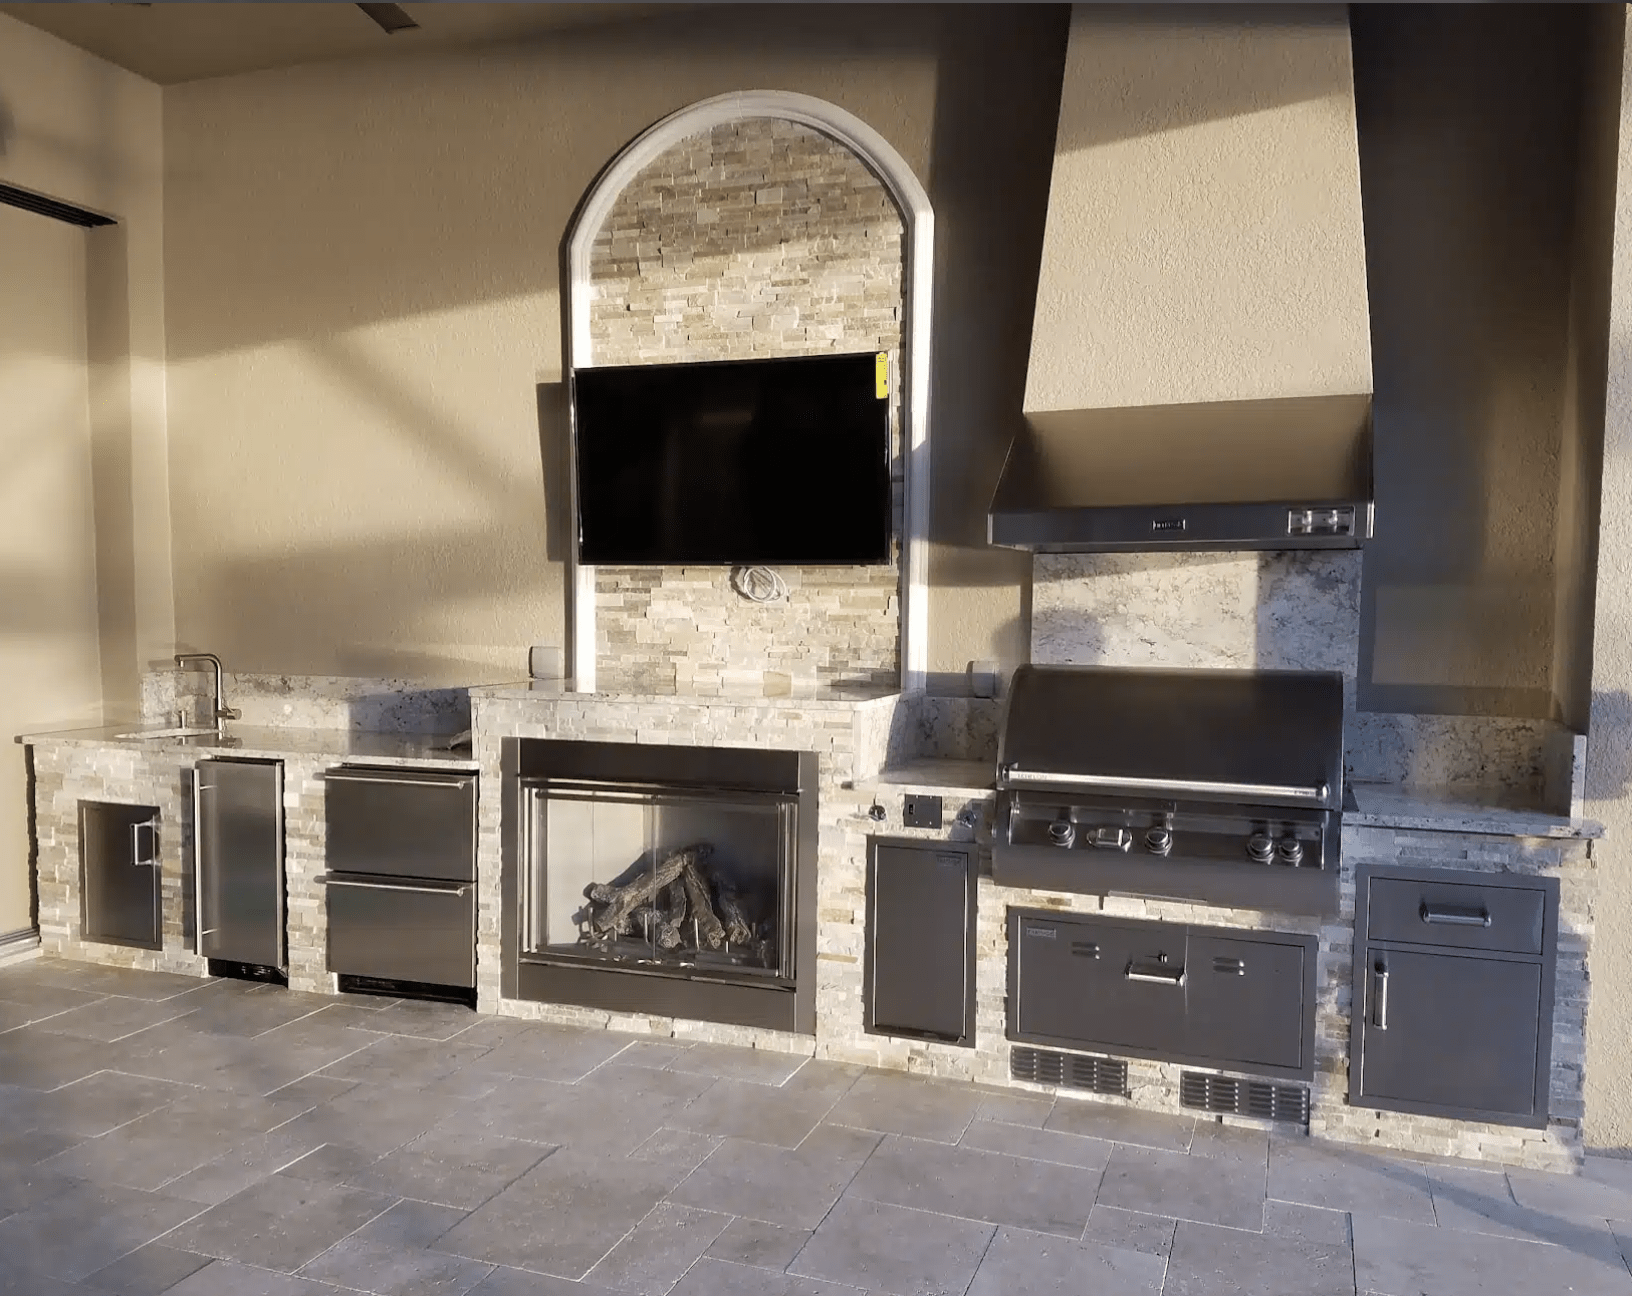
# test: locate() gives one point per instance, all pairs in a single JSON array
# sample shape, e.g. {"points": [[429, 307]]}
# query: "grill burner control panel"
{"points": [[1168, 831]]}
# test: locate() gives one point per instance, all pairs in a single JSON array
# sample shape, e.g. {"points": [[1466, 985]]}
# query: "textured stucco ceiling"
{"points": [[171, 43]]}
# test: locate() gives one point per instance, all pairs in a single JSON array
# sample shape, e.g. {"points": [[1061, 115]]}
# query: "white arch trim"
{"points": [[913, 201]]}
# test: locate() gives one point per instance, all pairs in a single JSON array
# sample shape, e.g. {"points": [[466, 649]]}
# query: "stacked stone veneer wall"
{"points": [[757, 238], [853, 740]]}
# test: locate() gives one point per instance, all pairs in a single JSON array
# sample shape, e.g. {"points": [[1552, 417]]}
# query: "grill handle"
{"points": [[1155, 974], [1012, 773]]}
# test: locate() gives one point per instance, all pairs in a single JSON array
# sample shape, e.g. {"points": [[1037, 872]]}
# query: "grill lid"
{"points": [[1235, 735]]}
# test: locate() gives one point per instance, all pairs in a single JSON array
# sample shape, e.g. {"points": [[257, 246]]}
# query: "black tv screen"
{"points": [[733, 462]]}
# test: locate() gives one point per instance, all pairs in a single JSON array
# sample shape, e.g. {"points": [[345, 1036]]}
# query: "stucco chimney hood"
{"points": [[1292, 473]]}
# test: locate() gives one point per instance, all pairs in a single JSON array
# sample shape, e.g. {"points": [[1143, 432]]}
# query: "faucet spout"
{"points": [[218, 711]]}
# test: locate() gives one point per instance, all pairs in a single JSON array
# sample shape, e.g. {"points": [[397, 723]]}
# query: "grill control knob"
{"points": [[1260, 847], [1289, 850], [1062, 832], [1159, 840]]}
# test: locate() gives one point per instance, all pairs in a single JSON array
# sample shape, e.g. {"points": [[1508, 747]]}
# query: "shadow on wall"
{"points": [[8, 127], [1205, 86]]}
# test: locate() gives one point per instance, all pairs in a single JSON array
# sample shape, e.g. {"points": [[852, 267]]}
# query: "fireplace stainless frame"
{"points": [[784, 1002]]}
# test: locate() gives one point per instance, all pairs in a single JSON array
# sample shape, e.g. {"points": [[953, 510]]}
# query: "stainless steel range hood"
{"points": [[1293, 473]]}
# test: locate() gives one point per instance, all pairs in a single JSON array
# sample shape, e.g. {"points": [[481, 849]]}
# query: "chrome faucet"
{"points": [[220, 712]]}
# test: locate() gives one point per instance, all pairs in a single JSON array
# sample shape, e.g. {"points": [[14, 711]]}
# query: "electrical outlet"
{"points": [[921, 812]]}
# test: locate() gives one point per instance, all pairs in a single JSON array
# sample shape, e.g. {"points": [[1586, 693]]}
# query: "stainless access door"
{"points": [[238, 849]]}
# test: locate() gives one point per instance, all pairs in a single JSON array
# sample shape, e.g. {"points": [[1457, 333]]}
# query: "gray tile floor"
{"points": [[161, 1134]]}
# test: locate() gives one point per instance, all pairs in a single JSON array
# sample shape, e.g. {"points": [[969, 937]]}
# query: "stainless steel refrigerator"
{"points": [[238, 861]]}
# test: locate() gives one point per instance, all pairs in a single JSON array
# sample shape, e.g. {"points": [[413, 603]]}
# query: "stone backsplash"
{"points": [[760, 237], [1291, 610], [375, 705]]}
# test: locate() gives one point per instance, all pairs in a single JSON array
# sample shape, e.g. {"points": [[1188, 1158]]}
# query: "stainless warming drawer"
{"points": [[399, 930], [402, 822], [401, 880]]}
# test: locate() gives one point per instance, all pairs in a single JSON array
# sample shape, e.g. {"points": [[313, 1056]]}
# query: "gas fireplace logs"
{"points": [[664, 901]]}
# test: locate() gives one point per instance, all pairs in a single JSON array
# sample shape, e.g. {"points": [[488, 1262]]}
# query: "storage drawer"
{"points": [[1245, 1001], [1100, 983], [401, 822], [1461, 915], [402, 932]]}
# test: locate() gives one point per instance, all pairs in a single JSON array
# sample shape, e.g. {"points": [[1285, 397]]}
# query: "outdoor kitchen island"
{"points": [[866, 748]]}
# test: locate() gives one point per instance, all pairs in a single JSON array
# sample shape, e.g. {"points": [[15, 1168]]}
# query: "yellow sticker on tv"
{"points": [[882, 369]]}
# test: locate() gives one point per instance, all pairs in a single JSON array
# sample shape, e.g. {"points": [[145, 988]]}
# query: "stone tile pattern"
{"points": [[758, 238], [66, 774], [375, 705], [460, 1169], [1284, 610]]}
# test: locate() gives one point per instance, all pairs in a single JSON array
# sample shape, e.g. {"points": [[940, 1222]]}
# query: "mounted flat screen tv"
{"points": [[734, 462]]}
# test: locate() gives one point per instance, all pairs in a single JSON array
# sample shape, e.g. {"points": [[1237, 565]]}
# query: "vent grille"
{"points": [[1257, 1098], [1070, 1070]]}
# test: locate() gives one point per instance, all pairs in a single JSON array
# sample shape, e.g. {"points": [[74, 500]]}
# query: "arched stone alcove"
{"points": [[759, 223]]}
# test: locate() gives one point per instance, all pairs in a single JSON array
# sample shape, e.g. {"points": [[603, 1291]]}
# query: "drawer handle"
{"points": [[459, 890], [1454, 915], [457, 782], [1084, 949], [1228, 965], [1155, 974], [151, 859], [1379, 997]]}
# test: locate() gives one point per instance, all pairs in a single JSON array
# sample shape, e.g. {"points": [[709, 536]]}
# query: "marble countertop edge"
{"points": [[268, 742]]}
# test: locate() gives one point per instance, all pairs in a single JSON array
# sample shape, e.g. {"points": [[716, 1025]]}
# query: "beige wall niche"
{"points": [[366, 326]]}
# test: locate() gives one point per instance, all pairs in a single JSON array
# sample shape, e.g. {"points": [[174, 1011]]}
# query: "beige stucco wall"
{"points": [[1609, 740], [83, 131], [50, 665], [1204, 238], [84, 519], [368, 304]]}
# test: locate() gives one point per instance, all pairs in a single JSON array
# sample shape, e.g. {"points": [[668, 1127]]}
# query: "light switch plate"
{"points": [[544, 661]]}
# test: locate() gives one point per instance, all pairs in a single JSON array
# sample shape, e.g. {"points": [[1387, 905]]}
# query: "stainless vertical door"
{"points": [[918, 940], [238, 845], [119, 856]]}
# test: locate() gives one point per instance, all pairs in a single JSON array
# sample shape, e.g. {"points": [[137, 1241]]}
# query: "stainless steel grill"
{"points": [[1221, 786]]}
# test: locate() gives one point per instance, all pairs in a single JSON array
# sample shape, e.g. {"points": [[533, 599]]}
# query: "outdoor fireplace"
{"points": [[677, 881]]}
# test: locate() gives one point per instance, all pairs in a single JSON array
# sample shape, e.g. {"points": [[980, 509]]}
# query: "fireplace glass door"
{"points": [[692, 881]]}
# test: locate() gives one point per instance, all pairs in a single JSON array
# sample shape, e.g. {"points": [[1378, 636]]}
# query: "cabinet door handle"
{"points": [[1155, 974], [1454, 915], [152, 860], [1379, 997]]}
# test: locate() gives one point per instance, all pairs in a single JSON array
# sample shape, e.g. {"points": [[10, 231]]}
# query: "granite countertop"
{"points": [[840, 695], [272, 742], [1459, 809], [970, 777]]}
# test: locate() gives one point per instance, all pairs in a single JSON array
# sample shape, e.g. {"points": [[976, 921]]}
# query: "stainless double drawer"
{"points": [[401, 880]]}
